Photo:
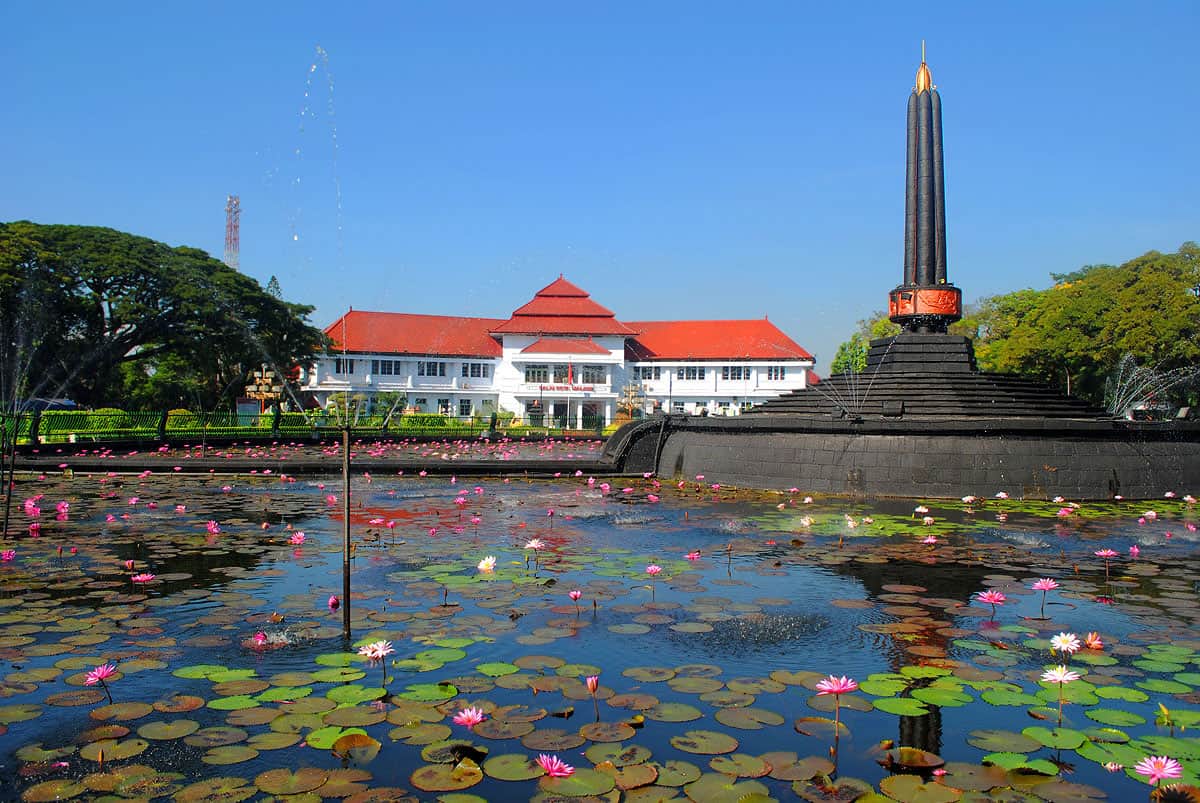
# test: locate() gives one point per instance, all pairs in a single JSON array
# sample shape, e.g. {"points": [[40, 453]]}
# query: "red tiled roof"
{"points": [[561, 308], [813, 379], [712, 340], [404, 333], [564, 345]]}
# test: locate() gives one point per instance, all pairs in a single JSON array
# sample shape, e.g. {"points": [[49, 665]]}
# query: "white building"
{"points": [[561, 359]]}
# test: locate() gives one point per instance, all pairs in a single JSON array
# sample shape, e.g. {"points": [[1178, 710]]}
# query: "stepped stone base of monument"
{"points": [[921, 421]]}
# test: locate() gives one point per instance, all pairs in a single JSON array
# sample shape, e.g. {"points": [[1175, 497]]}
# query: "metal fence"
{"points": [[97, 426]]}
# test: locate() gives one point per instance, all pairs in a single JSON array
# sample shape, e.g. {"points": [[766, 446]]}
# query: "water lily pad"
{"points": [[1009, 697], [338, 674], [179, 704], [75, 698], [353, 694], [429, 692], [502, 729], [704, 742], [649, 674], [1122, 693], [283, 781], [833, 791], [910, 789], [197, 671], [996, 741], [272, 740], [165, 731], [787, 766], [512, 767], [1113, 716], [120, 712], [694, 685], [229, 754], [633, 776], [748, 718], [606, 732], [740, 765], [447, 777], [497, 669], [215, 736], [912, 758], [452, 750], [582, 783], [358, 748], [235, 703], [902, 706], [553, 740], [57, 789], [1058, 738], [619, 755], [225, 790], [113, 749], [717, 788], [673, 712]]}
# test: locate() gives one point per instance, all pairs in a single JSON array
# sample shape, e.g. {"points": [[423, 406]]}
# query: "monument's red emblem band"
{"points": [[925, 301]]}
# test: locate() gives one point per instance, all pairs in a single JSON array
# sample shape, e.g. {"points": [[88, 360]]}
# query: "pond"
{"points": [[710, 619]]}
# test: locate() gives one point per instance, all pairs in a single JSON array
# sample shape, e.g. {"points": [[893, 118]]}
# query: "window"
{"points": [[431, 369], [464, 408], [537, 373], [475, 370], [746, 405], [592, 374], [776, 372], [444, 406], [723, 408], [690, 372], [420, 403], [678, 407], [387, 367], [560, 373], [341, 365], [648, 372], [735, 372]]}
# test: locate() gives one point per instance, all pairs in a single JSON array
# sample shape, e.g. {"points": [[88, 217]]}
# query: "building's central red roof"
{"points": [[561, 308]]}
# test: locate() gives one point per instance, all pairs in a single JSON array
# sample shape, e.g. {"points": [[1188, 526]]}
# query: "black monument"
{"points": [[921, 419]]}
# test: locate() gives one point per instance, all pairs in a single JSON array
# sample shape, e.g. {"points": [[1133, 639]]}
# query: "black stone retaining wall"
{"points": [[934, 461]]}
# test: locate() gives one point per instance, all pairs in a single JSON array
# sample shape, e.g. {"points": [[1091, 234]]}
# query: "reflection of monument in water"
{"points": [[921, 420]]}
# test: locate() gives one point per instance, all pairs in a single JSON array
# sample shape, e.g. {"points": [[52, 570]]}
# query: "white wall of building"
{"points": [[726, 388]]}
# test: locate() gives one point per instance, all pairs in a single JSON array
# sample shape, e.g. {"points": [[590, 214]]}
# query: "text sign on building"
{"points": [[566, 387]]}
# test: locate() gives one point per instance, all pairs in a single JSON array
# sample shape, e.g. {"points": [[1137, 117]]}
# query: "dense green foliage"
{"points": [[1073, 334], [109, 318]]}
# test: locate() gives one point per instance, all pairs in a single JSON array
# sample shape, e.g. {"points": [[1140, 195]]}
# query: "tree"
{"points": [[109, 318], [1073, 334]]}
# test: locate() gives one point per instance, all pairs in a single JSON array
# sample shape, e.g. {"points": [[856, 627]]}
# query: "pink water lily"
{"points": [[469, 717], [144, 577], [8, 555], [99, 675], [554, 766], [991, 597], [653, 570], [837, 686], [1156, 768], [1044, 584]]}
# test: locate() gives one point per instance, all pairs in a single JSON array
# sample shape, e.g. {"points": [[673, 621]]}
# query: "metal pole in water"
{"points": [[346, 532]]}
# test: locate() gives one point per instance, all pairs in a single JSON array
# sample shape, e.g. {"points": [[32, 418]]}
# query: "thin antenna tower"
{"points": [[233, 219]]}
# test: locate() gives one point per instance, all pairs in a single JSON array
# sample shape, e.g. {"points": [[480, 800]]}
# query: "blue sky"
{"points": [[677, 160]]}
